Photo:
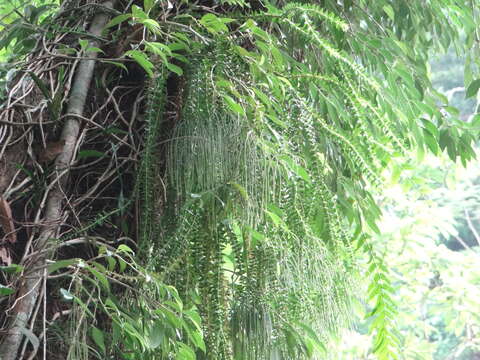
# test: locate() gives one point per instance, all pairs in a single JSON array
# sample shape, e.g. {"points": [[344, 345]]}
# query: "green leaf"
{"points": [[148, 5], [34, 13], [472, 89], [142, 60], [156, 335], [159, 48], [41, 85], [83, 43], [452, 149], [94, 49], [60, 264], [277, 56], [431, 127], [214, 24], [194, 317], [297, 169], [116, 63], [276, 219], [197, 340], [89, 153], [389, 11], [112, 263], [174, 68], [12, 269], [312, 334], [262, 34], [233, 105], [152, 25], [138, 13], [124, 248], [263, 97], [372, 224], [117, 20], [176, 46], [256, 236], [277, 121], [101, 278], [98, 337], [172, 318], [4, 290], [241, 190], [419, 87], [452, 110], [430, 141], [122, 264], [444, 138], [185, 352]]}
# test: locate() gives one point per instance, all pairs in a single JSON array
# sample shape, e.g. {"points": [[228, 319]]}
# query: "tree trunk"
{"points": [[28, 293]]}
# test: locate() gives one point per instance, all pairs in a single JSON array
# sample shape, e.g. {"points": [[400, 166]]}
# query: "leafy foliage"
{"points": [[163, 314], [435, 285], [286, 116]]}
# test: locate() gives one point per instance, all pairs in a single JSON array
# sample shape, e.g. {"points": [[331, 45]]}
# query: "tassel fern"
{"points": [[268, 171], [146, 183]]}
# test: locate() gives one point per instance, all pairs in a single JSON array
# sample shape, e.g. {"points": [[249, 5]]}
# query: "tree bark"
{"points": [[29, 290]]}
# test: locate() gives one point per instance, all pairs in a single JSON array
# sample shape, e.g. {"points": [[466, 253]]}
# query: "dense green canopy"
{"points": [[211, 195]]}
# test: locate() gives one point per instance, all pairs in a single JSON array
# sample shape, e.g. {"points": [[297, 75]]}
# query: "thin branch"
{"points": [[472, 227]]}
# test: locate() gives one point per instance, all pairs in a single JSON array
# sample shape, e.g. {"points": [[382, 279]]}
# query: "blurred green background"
{"points": [[430, 240]]}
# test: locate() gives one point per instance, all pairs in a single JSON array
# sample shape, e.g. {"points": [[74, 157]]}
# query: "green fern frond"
{"points": [[387, 340], [146, 183], [309, 32], [314, 11]]}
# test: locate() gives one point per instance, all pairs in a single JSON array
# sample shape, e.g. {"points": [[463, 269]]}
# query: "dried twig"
{"points": [[6, 221]]}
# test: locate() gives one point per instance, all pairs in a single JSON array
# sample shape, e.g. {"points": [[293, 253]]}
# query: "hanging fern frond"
{"points": [[147, 182]]}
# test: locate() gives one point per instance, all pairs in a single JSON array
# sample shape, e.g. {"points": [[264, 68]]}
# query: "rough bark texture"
{"points": [[29, 290]]}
